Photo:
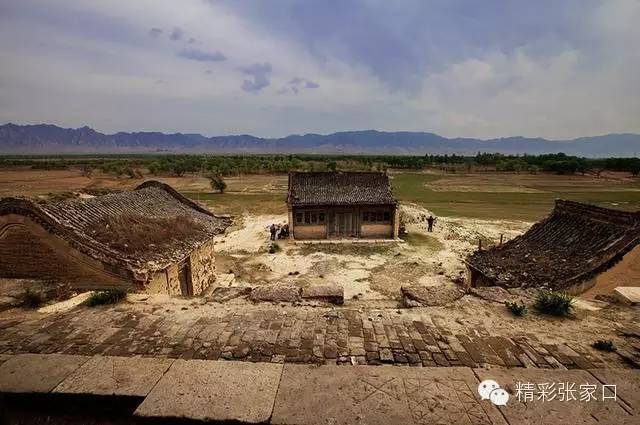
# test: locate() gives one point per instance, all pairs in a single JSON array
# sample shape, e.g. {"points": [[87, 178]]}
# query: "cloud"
{"points": [[455, 67], [260, 73], [155, 32], [296, 84], [176, 34], [200, 56], [191, 40]]}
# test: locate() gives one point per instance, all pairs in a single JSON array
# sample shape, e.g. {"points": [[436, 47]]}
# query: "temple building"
{"points": [[577, 248], [149, 239], [335, 205]]}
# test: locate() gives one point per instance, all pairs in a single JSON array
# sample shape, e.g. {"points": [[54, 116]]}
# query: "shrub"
{"points": [[217, 183], [554, 303], [273, 248], [31, 299], [604, 345], [517, 308], [108, 296]]}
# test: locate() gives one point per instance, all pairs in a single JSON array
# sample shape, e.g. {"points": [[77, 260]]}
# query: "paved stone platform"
{"points": [[240, 392], [305, 335]]}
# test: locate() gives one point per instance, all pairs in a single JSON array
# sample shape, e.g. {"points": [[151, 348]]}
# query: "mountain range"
{"points": [[50, 139]]}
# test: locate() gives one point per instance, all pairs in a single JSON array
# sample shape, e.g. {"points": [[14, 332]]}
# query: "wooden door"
{"points": [[184, 276]]}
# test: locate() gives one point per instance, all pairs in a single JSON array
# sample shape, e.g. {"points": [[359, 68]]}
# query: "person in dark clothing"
{"points": [[284, 232], [430, 220], [273, 230]]}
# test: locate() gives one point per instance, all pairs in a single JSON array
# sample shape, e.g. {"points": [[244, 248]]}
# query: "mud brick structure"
{"points": [[58, 242], [334, 205], [570, 250]]}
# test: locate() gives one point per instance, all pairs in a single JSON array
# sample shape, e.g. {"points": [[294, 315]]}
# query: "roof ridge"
{"points": [[177, 195]]}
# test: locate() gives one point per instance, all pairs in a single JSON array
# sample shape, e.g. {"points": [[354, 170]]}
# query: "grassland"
{"points": [[486, 195], [512, 196]]}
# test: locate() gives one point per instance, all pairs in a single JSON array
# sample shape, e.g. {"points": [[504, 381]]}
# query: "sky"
{"points": [[460, 68]]}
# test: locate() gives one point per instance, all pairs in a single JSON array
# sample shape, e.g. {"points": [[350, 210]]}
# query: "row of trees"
{"points": [[225, 165]]}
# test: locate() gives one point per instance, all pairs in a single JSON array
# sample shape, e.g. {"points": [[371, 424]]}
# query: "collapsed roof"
{"points": [[77, 219], [576, 242], [339, 188]]}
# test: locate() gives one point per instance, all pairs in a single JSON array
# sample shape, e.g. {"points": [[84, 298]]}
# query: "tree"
{"points": [[217, 183]]}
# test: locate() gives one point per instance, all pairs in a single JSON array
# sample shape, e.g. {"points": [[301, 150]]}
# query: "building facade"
{"points": [[337, 205], [58, 242]]}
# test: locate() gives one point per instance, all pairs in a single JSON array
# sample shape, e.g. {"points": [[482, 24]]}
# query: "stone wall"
{"points": [[28, 251], [203, 269]]}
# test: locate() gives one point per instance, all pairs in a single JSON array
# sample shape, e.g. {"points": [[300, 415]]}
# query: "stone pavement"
{"points": [[269, 333], [241, 392]]}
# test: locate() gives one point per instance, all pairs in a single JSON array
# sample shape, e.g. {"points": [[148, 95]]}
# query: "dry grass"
{"points": [[135, 234]]}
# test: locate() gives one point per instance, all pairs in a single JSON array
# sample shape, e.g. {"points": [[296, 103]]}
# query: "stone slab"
{"points": [[380, 395], [627, 382], [37, 373], [214, 391], [275, 293], [627, 294], [330, 293], [225, 293], [121, 376], [555, 411]]}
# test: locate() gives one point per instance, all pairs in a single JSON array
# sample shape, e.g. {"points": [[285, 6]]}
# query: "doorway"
{"points": [[343, 224], [184, 276]]}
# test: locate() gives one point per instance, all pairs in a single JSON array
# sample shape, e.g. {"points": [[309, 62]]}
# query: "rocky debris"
{"points": [[226, 293], [499, 294], [275, 293], [329, 293], [416, 296]]}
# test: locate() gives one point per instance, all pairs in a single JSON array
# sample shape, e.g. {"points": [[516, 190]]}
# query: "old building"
{"points": [[151, 239], [326, 205], [576, 248]]}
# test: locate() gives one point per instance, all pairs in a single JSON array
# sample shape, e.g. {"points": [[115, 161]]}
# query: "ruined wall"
{"points": [[376, 230], [203, 269], [29, 251], [158, 283], [624, 273], [173, 282], [318, 231]]}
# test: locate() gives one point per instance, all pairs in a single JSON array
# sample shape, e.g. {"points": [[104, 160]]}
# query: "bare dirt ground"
{"points": [[366, 272]]}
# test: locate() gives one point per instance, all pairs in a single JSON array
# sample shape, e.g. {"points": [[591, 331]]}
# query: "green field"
{"points": [[511, 196]]}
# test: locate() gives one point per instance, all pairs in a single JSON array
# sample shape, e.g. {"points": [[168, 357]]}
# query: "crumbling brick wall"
{"points": [[203, 269], [28, 251]]}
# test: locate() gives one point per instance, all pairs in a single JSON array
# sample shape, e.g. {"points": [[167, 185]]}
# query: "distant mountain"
{"points": [[47, 139]]}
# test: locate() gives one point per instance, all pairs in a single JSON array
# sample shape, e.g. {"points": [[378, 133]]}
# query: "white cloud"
{"points": [[63, 71]]}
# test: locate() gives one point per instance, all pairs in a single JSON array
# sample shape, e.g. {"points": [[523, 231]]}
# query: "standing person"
{"points": [[430, 220], [272, 230]]}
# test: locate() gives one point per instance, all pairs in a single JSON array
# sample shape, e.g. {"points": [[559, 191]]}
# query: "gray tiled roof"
{"points": [[339, 188], [74, 219], [573, 244]]}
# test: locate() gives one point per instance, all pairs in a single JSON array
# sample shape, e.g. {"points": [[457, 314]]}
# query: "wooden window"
{"points": [[321, 218], [378, 216], [298, 218], [314, 218], [307, 218]]}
